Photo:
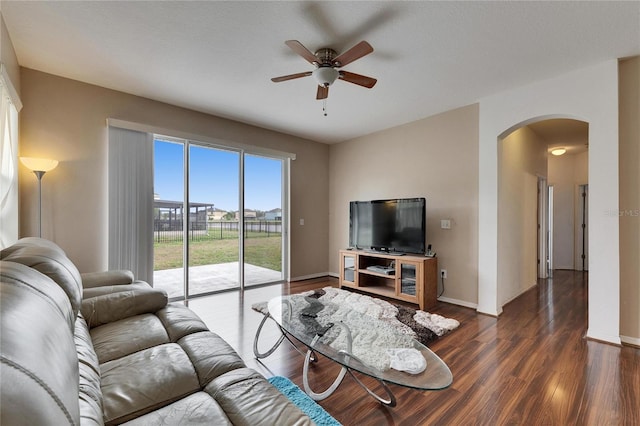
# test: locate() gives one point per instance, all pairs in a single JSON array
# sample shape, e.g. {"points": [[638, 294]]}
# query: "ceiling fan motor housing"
{"points": [[325, 57]]}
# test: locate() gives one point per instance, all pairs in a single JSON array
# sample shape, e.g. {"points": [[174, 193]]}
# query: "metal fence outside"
{"points": [[170, 231]]}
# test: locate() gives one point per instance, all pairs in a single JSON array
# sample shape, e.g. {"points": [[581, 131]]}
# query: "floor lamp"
{"points": [[39, 166]]}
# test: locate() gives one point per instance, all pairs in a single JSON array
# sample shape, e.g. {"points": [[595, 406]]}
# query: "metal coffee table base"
{"points": [[311, 357], [284, 336]]}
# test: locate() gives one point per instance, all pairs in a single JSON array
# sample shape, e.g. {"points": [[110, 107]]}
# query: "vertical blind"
{"points": [[9, 107], [131, 202]]}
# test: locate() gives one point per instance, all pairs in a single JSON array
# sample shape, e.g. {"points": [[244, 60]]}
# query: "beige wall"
{"points": [[435, 158], [66, 120], [8, 56], [522, 159], [629, 92]]}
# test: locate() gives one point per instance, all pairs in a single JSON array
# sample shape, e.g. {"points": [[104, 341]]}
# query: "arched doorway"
{"points": [[525, 169], [590, 95]]}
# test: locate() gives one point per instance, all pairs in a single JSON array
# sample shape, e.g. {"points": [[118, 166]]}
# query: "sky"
{"points": [[214, 175]]}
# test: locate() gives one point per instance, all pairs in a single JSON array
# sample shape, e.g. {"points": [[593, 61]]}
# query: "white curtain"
{"points": [[131, 202], [8, 165]]}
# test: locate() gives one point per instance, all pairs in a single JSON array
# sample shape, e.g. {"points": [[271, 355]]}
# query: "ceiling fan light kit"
{"points": [[327, 62], [325, 76]]}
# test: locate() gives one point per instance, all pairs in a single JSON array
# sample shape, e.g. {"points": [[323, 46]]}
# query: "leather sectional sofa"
{"points": [[101, 348]]}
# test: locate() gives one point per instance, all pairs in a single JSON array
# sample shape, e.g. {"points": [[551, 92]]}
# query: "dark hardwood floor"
{"points": [[532, 365]]}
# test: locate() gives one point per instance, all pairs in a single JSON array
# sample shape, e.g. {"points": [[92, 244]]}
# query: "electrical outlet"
{"points": [[443, 273]]}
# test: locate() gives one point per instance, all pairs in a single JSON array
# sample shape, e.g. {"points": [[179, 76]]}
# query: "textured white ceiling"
{"points": [[218, 57]]}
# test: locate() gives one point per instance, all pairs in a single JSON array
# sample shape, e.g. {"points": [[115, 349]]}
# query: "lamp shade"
{"points": [[39, 164]]}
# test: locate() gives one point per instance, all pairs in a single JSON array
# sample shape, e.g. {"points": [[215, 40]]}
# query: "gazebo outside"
{"points": [[168, 219]]}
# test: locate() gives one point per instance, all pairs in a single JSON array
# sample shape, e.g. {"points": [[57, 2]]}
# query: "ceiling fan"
{"points": [[327, 63]]}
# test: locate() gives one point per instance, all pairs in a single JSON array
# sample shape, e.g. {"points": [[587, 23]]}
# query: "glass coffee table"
{"points": [[357, 342]]}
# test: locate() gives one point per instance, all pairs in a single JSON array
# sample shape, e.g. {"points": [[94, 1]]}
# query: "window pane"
{"points": [[213, 226], [168, 194], [263, 220]]}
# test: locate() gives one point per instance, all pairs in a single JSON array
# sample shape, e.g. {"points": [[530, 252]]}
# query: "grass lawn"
{"points": [[260, 251]]}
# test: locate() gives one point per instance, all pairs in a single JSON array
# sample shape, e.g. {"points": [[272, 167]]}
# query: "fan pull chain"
{"points": [[324, 106]]}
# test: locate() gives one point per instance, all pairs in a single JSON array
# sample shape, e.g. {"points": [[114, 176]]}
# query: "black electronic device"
{"points": [[430, 253], [395, 226]]}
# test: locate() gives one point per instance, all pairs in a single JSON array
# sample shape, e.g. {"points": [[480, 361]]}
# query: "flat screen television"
{"points": [[394, 226]]}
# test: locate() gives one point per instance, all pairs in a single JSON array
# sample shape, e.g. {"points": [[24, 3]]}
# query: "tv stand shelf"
{"points": [[413, 279]]}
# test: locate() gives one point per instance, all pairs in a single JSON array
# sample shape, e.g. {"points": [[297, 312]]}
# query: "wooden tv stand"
{"points": [[414, 278]]}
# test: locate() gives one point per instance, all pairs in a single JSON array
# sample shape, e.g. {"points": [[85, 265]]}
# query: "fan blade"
{"points": [[291, 76], [297, 47], [323, 92], [360, 80], [356, 52]]}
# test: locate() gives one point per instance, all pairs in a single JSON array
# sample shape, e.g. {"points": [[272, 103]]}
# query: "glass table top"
{"points": [[330, 330]]}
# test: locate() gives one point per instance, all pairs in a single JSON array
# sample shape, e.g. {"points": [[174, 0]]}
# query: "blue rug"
{"points": [[303, 401]]}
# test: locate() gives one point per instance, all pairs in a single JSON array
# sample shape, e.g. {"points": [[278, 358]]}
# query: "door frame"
{"points": [[543, 228], [285, 204], [581, 228]]}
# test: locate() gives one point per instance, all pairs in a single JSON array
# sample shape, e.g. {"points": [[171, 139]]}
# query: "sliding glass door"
{"points": [[221, 216], [263, 179], [168, 214], [214, 253]]}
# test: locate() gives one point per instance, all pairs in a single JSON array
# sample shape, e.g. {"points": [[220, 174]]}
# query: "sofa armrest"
{"points": [[123, 304], [88, 293], [99, 279]]}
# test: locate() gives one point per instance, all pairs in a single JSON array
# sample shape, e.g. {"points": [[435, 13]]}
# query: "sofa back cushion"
{"points": [[46, 257], [38, 360], [123, 301], [90, 398]]}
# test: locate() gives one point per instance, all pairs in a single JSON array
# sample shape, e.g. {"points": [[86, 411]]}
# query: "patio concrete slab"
{"points": [[207, 278]]}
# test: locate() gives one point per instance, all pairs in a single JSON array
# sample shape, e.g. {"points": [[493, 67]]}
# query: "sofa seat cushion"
{"points": [[121, 338], [196, 409], [211, 355], [146, 380], [180, 321], [248, 400]]}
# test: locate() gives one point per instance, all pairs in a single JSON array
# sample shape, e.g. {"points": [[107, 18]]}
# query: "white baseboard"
{"points": [[601, 336], [442, 299], [630, 340], [519, 294], [312, 276], [458, 302]]}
